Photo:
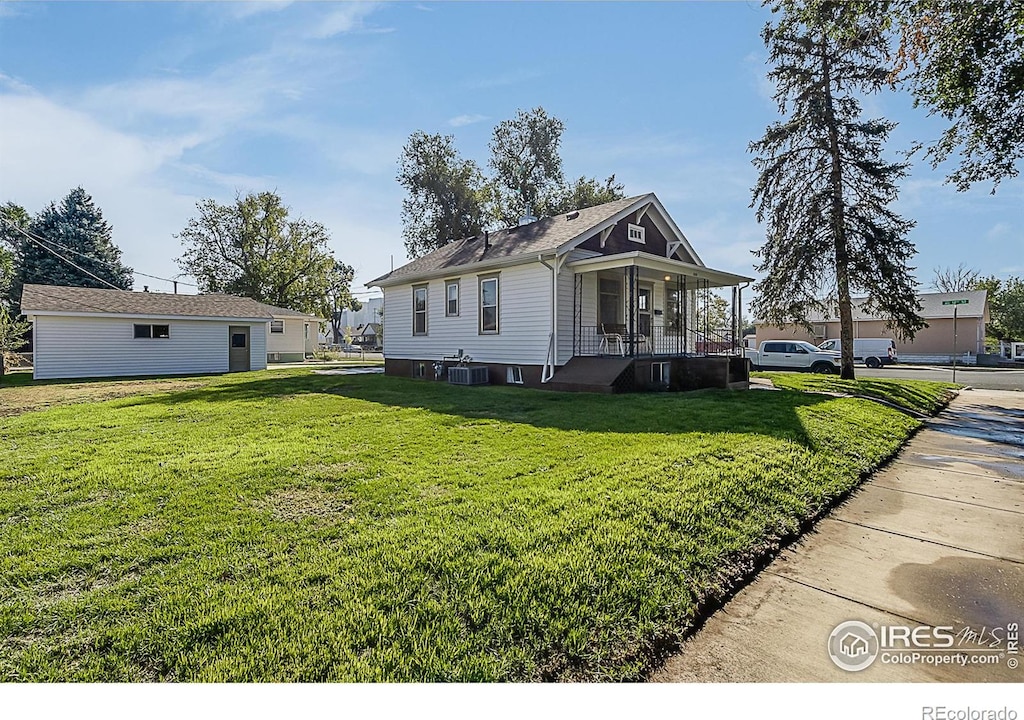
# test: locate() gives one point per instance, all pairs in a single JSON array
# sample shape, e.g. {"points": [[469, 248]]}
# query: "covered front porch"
{"points": [[640, 305], [668, 324]]}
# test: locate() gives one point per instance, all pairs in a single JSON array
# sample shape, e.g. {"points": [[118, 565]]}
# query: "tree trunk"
{"points": [[838, 222]]}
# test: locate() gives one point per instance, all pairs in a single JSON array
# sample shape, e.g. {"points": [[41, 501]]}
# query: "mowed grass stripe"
{"points": [[289, 526]]}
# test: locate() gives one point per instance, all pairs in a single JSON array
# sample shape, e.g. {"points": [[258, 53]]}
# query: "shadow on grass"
{"points": [[710, 411]]}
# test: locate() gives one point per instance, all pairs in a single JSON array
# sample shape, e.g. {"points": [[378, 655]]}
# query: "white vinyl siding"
{"points": [[68, 347], [525, 320], [292, 340]]}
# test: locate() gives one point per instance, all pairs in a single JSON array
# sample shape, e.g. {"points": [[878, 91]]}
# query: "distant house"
{"points": [[371, 311], [932, 344], [369, 336], [603, 298], [89, 332], [292, 335]]}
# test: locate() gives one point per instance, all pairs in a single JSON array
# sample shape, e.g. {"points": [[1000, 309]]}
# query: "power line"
{"points": [[90, 257], [54, 252]]}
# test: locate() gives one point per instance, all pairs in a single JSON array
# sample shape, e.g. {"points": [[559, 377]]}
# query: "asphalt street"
{"points": [[981, 378]]}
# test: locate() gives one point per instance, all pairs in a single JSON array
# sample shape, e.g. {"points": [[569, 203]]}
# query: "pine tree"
{"points": [[75, 229], [824, 191]]}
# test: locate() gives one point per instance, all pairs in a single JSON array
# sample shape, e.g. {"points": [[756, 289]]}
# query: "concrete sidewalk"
{"points": [[936, 538]]}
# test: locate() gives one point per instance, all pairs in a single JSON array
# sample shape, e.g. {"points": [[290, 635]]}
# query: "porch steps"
{"points": [[590, 374]]}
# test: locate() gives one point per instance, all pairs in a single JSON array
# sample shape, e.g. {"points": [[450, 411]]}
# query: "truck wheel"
{"points": [[822, 367], [872, 362]]}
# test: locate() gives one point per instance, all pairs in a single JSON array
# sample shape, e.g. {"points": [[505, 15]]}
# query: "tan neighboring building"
{"points": [[934, 343]]}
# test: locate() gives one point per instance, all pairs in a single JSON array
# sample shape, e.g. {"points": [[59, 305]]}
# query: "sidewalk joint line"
{"points": [[952, 500], [933, 542], [848, 599]]}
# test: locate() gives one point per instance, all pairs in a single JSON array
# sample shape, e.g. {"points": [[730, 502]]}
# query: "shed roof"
{"points": [[53, 299]]}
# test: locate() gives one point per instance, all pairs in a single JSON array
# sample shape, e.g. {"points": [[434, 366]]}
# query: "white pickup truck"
{"points": [[793, 355]]}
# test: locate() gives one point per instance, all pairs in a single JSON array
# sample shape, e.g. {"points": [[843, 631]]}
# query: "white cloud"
{"points": [[463, 120], [346, 18]]}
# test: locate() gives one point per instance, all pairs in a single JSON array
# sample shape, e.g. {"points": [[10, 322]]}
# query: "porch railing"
{"points": [[595, 340]]}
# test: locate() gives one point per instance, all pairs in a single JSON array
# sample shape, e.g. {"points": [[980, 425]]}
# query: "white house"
{"points": [[603, 298], [292, 335], [89, 332]]}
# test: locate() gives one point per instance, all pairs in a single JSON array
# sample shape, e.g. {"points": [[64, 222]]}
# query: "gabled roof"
{"points": [[280, 312], [931, 307], [52, 299], [548, 235]]}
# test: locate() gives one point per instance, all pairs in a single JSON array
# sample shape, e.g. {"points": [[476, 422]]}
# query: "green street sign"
{"points": [[955, 302]]}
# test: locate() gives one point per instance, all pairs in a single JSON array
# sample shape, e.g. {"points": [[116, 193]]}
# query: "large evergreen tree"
{"points": [[74, 229], [824, 192]]}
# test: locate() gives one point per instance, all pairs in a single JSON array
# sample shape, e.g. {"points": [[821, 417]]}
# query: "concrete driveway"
{"points": [[935, 540]]}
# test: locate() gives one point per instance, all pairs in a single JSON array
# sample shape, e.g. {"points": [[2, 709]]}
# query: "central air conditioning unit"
{"points": [[468, 375]]}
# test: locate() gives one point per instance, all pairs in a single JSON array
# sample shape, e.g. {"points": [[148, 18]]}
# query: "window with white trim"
{"points": [[419, 310], [636, 233], [514, 375], [451, 295], [489, 305], [277, 326]]}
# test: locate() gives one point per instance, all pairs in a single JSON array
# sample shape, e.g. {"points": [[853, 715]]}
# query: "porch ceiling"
{"points": [[657, 267]]}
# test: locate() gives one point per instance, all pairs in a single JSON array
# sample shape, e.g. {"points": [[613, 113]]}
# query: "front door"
{"points": [[238, 348], [643, 310]]}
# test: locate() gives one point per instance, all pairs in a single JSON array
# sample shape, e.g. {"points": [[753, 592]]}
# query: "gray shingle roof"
{"points": [[931, 307], [285, 312], [543, 236], [52, 298]]}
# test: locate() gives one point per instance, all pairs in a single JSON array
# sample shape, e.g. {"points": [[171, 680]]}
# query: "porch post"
{"points": [[733, 326], [633, 300], [684, 301], [679, 314], [739, 319]]}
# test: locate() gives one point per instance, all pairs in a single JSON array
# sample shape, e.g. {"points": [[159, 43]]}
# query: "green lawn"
{"points": [[923, 396], [288, 526]]}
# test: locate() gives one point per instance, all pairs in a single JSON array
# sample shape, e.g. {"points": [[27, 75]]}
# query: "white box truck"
{"points": [[873, 352]]}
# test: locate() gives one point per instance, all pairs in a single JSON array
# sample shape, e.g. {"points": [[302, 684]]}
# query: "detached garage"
{"points": [[89, 332]]}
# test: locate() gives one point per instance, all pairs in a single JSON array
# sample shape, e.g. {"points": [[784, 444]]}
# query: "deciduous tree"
{"points": [[824, 191], [582, 193], [964, 61], [254, 249], [955, 279], [445, 194], [525, 161]]}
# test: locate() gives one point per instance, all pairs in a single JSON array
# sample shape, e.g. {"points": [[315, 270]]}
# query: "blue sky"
{"points": [[153, 106]]}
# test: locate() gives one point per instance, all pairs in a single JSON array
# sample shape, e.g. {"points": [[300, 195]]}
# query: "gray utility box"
{"points": [[472, 375]]}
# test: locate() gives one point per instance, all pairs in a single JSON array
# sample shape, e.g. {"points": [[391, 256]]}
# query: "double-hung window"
{"points": [[419, 310], [451, 295], [489, 305], [277, 326]]}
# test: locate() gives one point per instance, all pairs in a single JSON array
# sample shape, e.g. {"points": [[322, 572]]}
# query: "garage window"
{"points": [[162, 332]]}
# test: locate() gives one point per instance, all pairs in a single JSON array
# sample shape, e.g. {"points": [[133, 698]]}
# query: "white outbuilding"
{"points": [[90, 332]]}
